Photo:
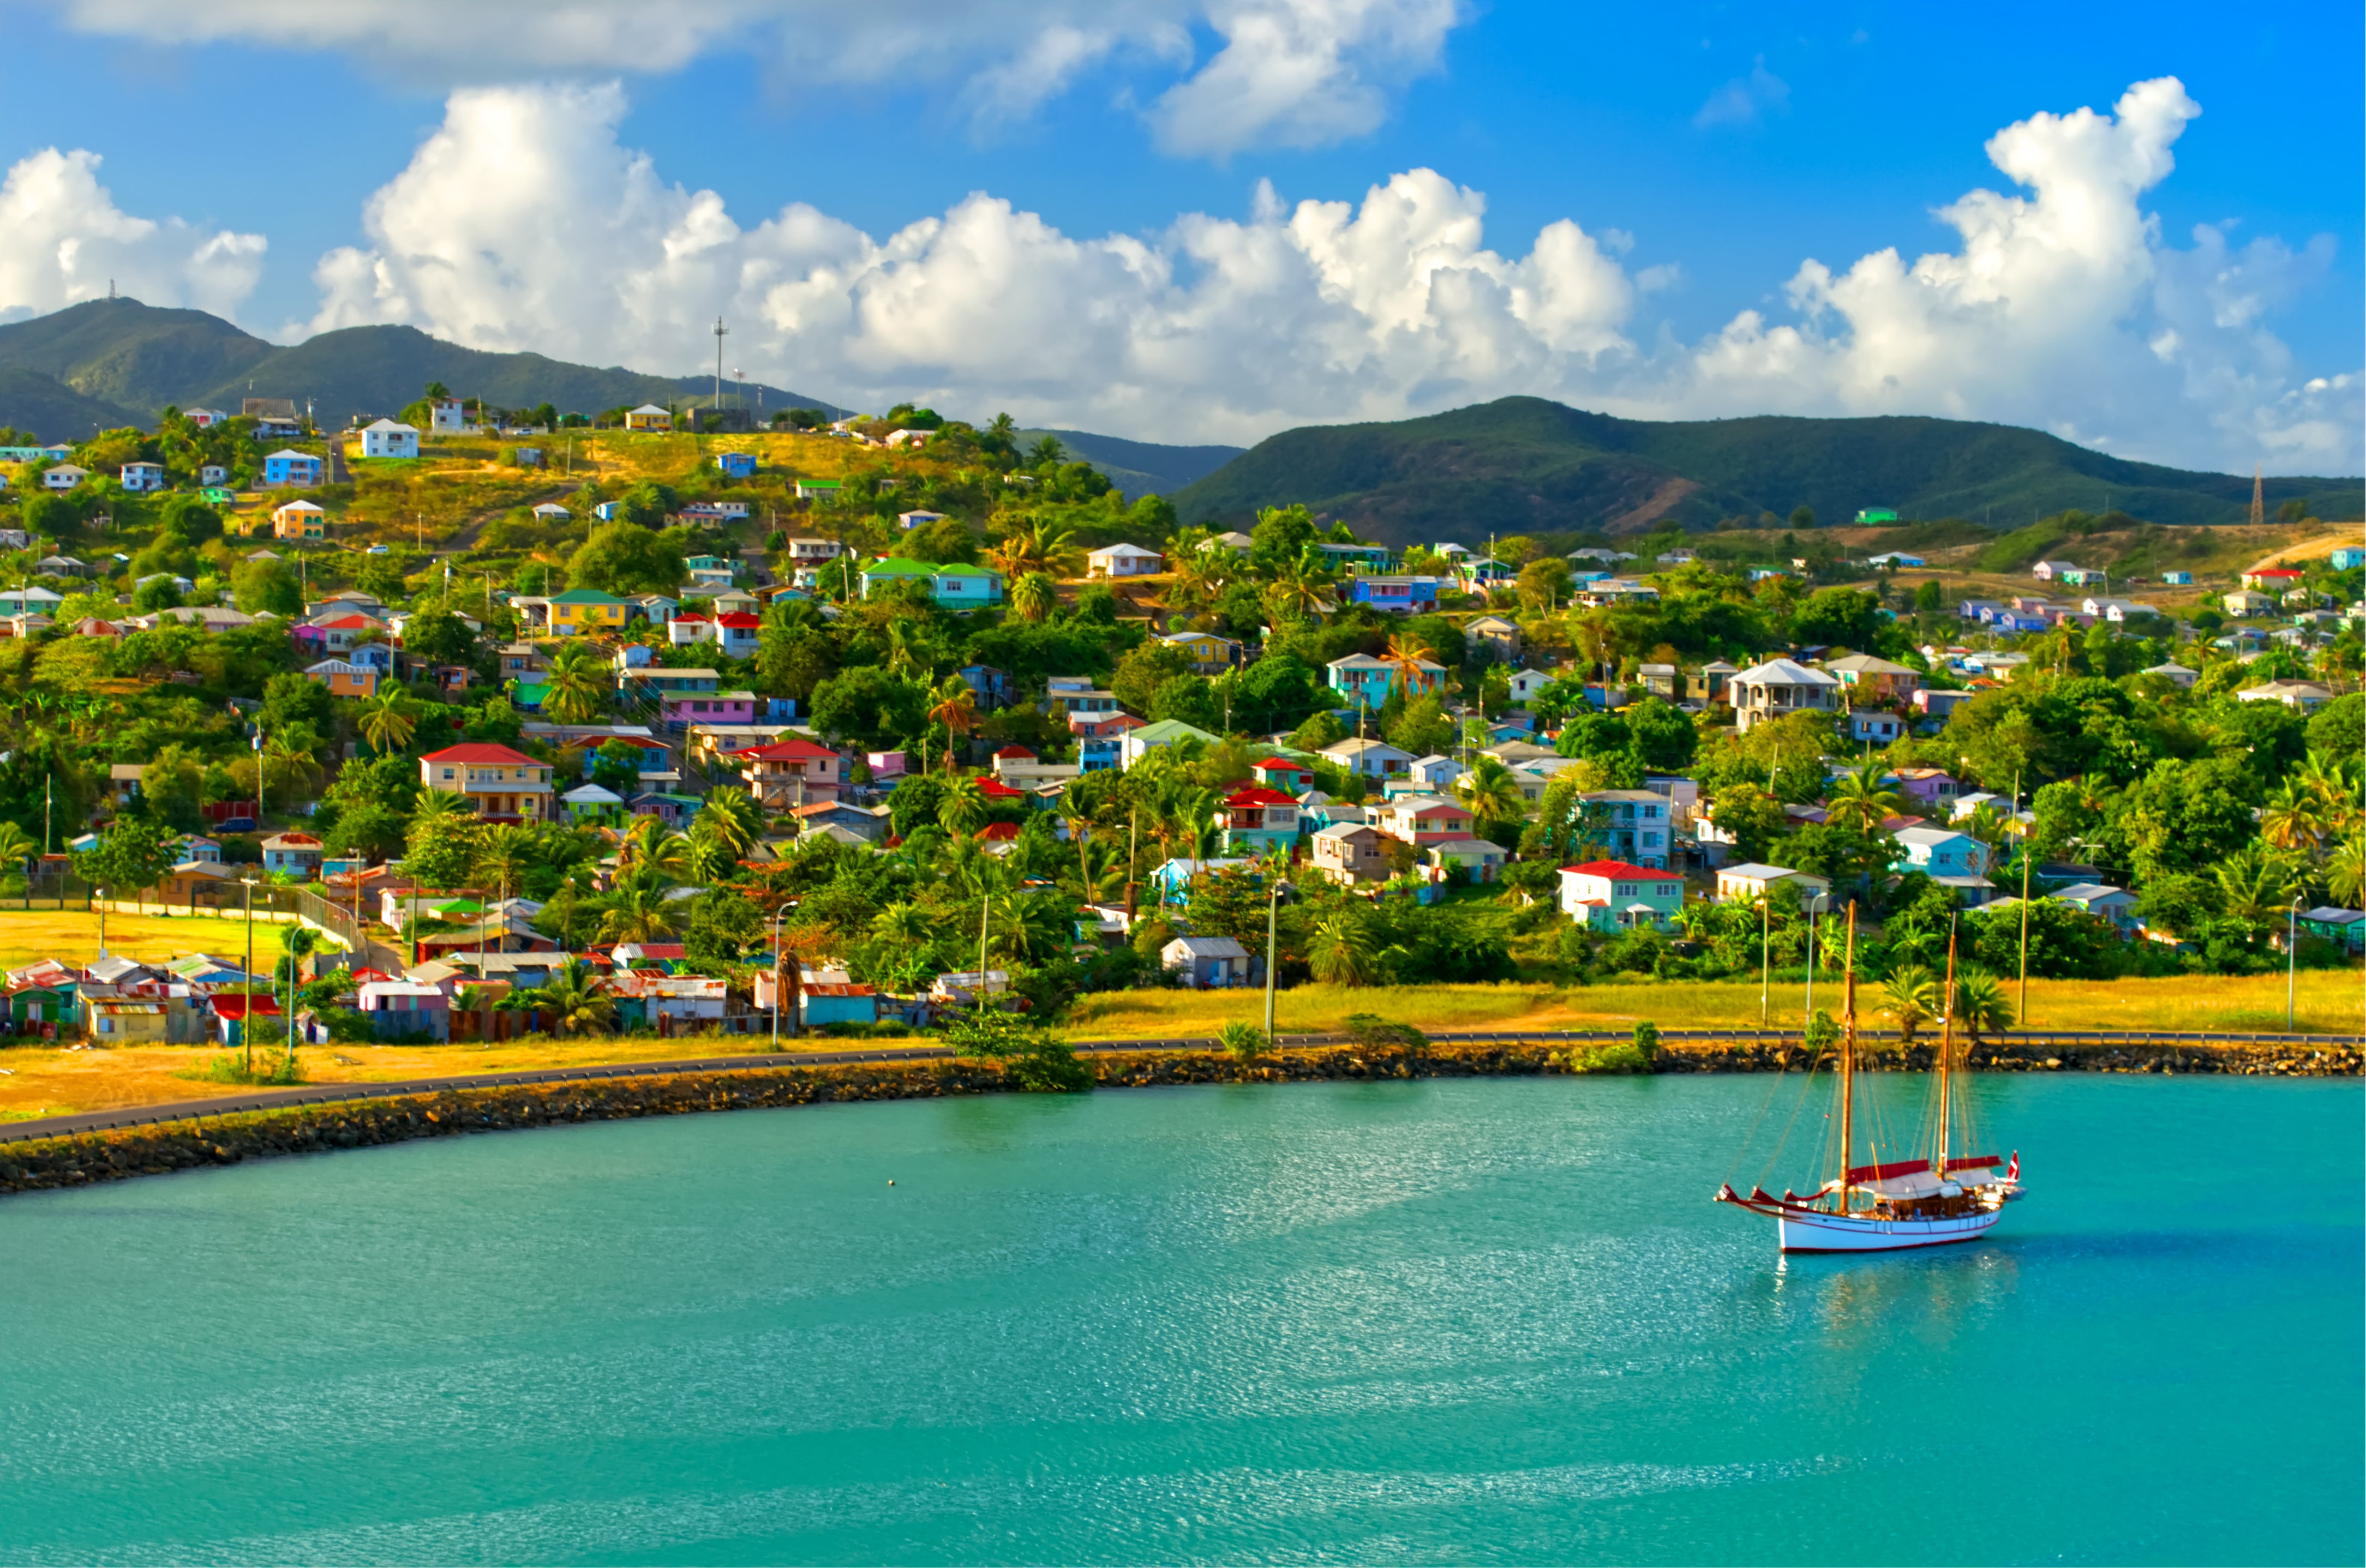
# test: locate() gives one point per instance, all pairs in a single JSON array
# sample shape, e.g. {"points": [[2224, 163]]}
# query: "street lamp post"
{"points": [[778, 972], [1272, 907], [2292, 958]]}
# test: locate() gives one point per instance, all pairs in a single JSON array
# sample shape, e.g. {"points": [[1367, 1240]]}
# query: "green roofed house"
{"points": [[1872, 515], [956, 587], [1135, 745], [820, 489]]}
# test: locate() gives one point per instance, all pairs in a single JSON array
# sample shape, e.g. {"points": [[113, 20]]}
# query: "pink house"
{"points": [[1423, 820], [683, 709], [1928, 786], [792, 773]]}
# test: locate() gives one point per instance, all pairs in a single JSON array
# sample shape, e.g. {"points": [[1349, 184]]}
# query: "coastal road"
{"points": [[328, 1093]]}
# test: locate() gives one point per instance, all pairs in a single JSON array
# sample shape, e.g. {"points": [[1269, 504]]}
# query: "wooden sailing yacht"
{"points": [[1936, 1198]]}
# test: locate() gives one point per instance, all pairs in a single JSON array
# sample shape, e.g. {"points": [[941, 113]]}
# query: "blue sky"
{"points": [[1704, 155]]}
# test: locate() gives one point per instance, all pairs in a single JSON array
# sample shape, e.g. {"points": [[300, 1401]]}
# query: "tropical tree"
{"points": [[435, 806], [578, 683], [1492, 792], [16, 847], [1034, 596], [961, 807], [1862, 799], [2255, 883], [1340, 949], [291, 753], [736, 819], [2345, 875], [1042, 544], [638, 911], [578, 1001], [504, 854], [955, 707], [2293, 818], [1029, 928], [1301, 591], [651, 849], [1912, 999], [1980, 1004], [1405, 656]]}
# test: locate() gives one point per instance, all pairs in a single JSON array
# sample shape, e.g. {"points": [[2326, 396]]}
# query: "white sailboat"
{"points": [[1932, 1198]]}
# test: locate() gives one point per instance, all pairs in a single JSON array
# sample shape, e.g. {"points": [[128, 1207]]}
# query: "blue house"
{"points": [[1102, 753], [2178, 580], [1403, 596], [736, 464], [2345, 559], [1355, 557], [606, 511], [289, 468]]}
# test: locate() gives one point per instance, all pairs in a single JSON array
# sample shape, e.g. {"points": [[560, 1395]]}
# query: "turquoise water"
{"points": [[1432, 1322]]}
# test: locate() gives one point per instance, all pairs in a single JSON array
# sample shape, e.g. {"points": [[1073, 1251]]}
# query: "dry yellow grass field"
{"points": [[71, 936], [2330, 1002]]}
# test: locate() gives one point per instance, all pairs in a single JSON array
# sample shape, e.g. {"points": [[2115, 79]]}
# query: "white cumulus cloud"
{"points": [[1289, 72], [63, 240], [523, 222]]}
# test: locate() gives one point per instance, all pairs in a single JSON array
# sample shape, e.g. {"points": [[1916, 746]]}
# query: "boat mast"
{"points": [[1946, 1051], [1848, 1059]]}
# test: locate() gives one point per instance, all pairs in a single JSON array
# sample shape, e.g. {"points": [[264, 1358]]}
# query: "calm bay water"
{"points": [[1445, 1321]]}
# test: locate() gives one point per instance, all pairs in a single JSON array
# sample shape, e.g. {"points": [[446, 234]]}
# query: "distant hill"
{"points": [[1140, 467], [122, 362], [1527, 465]]}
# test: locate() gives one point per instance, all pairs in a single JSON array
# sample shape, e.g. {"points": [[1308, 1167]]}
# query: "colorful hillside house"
{"points": [[736, 464], [1614, 895], [288, 468], [584, 611], [139, 479], [502, 784], [1258, 820], [299, 521], [649, 417]]}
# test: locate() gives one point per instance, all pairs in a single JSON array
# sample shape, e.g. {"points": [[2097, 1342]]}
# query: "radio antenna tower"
{"points": [[721, 331], [2258, 499]]}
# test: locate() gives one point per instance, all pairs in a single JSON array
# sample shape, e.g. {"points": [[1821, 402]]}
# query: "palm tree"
{"points": [[2254, 885], [653, 849], [905, 925], [2345, 875], [286, 754], [388, 721], [576, 998], [1201, 574], [1028, 928], [956, 709], [434, 805], [1492, 792], [732, 816], [1339, 949], [2293, 818], [1862, 799], [16, 847], [1980, 1004], [1913, 994], [962, 809], [708, 851], [1079, 824], [1404, 655], [577, 685], [1034, 596], [504, 854], [1299, 592], [638, 912], [1039, 545]]}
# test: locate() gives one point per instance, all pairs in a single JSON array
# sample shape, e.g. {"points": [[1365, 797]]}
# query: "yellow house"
{"points": [[580, 610], [299, 520], [127, 1022], [503, 785], [649, 417], [1209, 653]]}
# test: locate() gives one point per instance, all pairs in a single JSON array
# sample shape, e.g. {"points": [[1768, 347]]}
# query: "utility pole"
{"points": [[246, 1024], [1272, 905], [2024, 1010]]}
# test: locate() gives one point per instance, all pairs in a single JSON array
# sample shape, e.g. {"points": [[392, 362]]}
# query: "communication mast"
{"points": [[2258, 499]]}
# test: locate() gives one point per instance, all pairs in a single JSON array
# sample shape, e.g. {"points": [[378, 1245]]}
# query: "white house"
{"points": [[445, 418], [1371, 758], [389, 439], [1206, 963], [1893, 558], [139, 477], [551, 511], [1780, 688], [204, 418], [1757, 879], [908, 521], [1527, 683], [2176, 673], [1123, 561], [64, 476]]}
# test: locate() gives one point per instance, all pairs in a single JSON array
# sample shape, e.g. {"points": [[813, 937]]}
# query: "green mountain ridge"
{"points": [[122, 362], [1140, 467], [1527, 466]]}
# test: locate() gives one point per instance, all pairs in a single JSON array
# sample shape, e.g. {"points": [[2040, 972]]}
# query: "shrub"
{"points": [[1647, 1040], [1614, 1059], [1243, 1041], [1382, 1034]]}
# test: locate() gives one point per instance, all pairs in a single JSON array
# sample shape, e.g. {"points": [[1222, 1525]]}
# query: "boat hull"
{"points": [[1808, 1230]]}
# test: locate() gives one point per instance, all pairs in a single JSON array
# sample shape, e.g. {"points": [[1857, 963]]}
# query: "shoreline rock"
{"points": [[73, 1161]]}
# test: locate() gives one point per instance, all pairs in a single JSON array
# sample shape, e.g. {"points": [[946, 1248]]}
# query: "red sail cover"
{"points": [[1910, 1167]]}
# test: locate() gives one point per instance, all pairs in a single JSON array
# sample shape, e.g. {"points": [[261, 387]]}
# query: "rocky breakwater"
{"points": [[157, 1151]]}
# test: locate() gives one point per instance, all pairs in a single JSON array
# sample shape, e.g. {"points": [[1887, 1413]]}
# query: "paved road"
{"points": [[326, 1093]]}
